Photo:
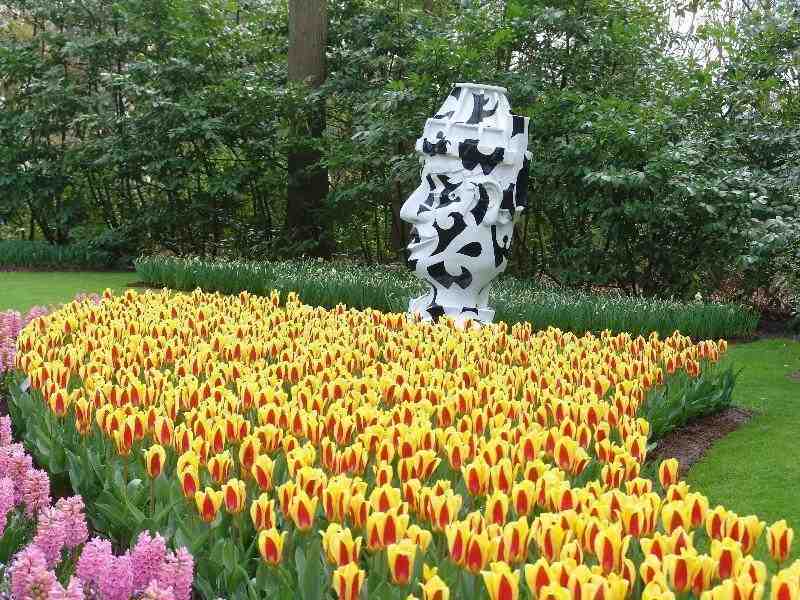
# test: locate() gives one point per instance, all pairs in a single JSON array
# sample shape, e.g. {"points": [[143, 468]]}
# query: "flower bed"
{"points": [[296, 450], [52, 556]]}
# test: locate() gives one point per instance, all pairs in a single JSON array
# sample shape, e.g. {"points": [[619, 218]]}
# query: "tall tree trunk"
{"points": [[427, 6], [308, 179]]}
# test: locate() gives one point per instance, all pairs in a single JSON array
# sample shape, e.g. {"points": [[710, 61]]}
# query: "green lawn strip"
{"points": [[756, 469], [22, 290]]}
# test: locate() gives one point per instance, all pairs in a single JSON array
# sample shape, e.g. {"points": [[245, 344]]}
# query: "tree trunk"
{"points": [[427, 6], [308, 179]]}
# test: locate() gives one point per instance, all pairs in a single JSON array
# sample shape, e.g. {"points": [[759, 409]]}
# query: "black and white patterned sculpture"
{"points": [[473, 188]]}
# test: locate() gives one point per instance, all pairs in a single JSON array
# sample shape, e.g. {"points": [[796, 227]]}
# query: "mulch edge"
{"points": [[690, 443]]}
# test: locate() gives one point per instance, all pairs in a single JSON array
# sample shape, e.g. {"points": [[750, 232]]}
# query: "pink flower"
{"points": [[154, 592], [50, 535], [30, 579], [74, 591], [116, 583], [14, 464], [147, 558], [178, 573], [6, 501], [35, 491], [5, 431], [95, 560], [75, 528]]}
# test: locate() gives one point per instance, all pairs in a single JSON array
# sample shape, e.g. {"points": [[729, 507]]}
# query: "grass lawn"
{"points": [[756, 469], [22, 290]]}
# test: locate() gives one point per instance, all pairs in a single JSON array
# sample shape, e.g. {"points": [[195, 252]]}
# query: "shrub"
{"points": [[21, 254], [382, 288]]}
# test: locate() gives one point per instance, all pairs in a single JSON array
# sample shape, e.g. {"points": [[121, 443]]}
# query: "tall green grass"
{"points": [[22, 254], [389, 289]]}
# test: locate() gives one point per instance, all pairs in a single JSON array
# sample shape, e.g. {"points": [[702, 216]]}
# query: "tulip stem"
{"points": [[152, 496]]}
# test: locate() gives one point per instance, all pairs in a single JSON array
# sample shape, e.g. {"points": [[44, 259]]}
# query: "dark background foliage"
{"points": [[665, 135]]}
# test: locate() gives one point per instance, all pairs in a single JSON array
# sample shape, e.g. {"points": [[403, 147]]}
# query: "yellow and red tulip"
{"points": [[668, 472], [400, 557], [302, 510], [262, 512], [779, 540], [235, 492], [347, 581], [501, 582], [208, 503], [154, 459], [270, 545]]}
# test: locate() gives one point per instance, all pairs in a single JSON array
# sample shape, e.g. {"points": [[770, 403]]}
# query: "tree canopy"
{"points": [[664, 134]]}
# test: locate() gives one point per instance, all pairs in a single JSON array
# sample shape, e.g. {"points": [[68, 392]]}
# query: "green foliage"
{"points": [[660, 154], [360, 286], [685, 398], [42, 255]]}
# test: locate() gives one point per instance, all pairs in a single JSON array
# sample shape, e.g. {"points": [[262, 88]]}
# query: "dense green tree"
{"points": [[665, 141]]}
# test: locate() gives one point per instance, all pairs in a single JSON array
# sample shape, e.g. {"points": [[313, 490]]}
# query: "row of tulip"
{"points": [[368, 446]]}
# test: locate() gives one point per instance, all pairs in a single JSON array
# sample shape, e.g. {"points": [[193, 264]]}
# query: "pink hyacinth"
{"points": [[178, 573], [6, 501], [5, 431], [95, 560], [30, 578], [76, 531], [156, 592], [74, 591], [147, 558], [50, 535], [35, 491], [116, 583], [14, 464]]}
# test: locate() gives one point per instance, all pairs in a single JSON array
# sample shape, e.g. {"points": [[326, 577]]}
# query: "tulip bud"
{"points": [[435, 589], [261, 470], [235, 492], [479, 549], [727, 553], [270, 545], [262, 512], [401, 561], [302, 510], [347, 581], [779, 540], [154, 458], [501, 582], [668, 472], [208, 503], [784, 587], [339, 546]]}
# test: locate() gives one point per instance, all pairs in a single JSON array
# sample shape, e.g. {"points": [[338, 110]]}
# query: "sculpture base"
{"points": [[459, 314]]}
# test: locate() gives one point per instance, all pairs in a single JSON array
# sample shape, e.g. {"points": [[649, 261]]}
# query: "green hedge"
{"points": [[388, 289], [22, 254]]}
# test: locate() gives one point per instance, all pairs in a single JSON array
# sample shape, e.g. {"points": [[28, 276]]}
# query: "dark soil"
{"points": [[689, 443]]}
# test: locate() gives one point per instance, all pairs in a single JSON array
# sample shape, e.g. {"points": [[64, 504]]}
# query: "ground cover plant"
{"points": [[21, 291], [305, 452], [388, 289]]}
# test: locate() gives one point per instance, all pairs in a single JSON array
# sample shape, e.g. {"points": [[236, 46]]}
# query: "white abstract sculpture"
{"points": [[474, 186]]}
